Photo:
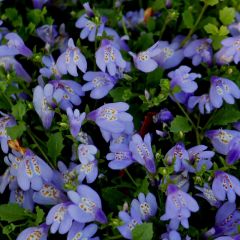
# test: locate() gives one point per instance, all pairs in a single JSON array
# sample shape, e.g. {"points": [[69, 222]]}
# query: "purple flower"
{"points": [[231, 46], [59, 218], [5, 121], [225, 184], [22, 198], [79, 231], [39, 4], [179, 206], [88, 171], [224, 56], [75, 120], [41, 105], [39, 232], [204, 104], [164, 116], [207, 194], [146, 206], [111, 117], [10, 63], [120, 156], [99, 83], [108, 56], [71, 59], [87, 205], [62, 39], [180, 157], [199, 157], [222, 88], [170, 55], [16, 42], [49, 194], [233, 151], [33, 171], [86, 153], [130, 222], [142, 151], [199, 50], [183, 79], [67, 93], [50, 69], [221, 138], [47, 33], [144, 60], [133, 18]]}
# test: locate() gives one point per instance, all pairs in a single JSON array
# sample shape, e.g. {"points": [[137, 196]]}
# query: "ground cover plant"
{"points": [[119, 119]]}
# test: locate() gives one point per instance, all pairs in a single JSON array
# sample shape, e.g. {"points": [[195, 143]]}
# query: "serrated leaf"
{"points": [[39, 216], [226, 115], [188, 18], [227, 15], [223, 31], [19, 110], [55, 146], [143, 231], [211, 29], [180, 124], [16, 131], [12, 212]]}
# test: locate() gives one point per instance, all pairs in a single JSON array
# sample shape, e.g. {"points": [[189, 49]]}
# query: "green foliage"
{"points": [[143, 232], [180, 124], [55, 146], [227, 15], [19, 110], [13, 16], [188, 18], [17, 131], [211, 2]]}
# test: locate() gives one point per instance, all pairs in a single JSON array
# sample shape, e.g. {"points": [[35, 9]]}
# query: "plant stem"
{"points": [[40, 149], [115, 237], [129, 175], [164, 27], [192, 30]]}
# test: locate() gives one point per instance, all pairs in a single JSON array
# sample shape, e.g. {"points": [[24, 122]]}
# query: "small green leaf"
{"points": [[211, 2], [8, 229], [154, 77], [12, 212], [227, 15], [223, 31], [16, 131], [55, 146], [19, 110], [143, 231], [39, 216], [180, 124], [117, 94], [211, 29], [226, 115], [142, 186], [188, 18]]}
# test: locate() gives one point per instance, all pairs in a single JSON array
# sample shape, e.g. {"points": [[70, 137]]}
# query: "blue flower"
{"points": [[39, 4], [144, 61], [225, 184], [146, 206], [39, 232], [142, 151], [59, 218], [86, 153], [221, 138], [133, 18], [233, 151], [75, 120], [179, 206], [47, 33], [204, 104], [223, 89], [88, 171], [80, 231], [32, 172], [87, 205], [199, 50], [99, 83], [50, 69], [108, 56], [71, 59], [164, 116]]}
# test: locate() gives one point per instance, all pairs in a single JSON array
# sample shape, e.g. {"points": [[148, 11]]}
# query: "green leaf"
{"points": [[12, 212], [39, 216], [17, 131], [188, 18], [13, 16], [211, 2], [227, 15], [143, 231], [211, 29], [223, 31], [226, 115], [55, 146], [180, 124], [145, 41], [154, 77], [19, 110], [8, 229], [151, 24], [117, 94], [142, 186]]}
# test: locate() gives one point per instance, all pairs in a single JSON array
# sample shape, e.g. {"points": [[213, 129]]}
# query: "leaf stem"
{"points": [[32, 136], [129, 175], [193, 29]]}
